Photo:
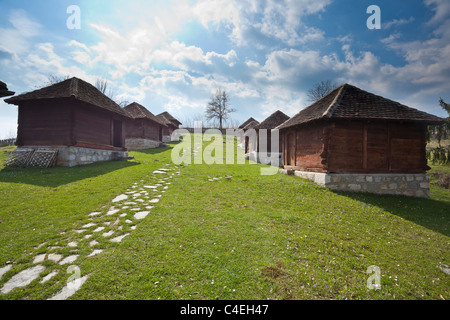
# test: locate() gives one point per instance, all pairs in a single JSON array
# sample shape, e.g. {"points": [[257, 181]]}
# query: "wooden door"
{"points": [[290, 149], [117, 133]]}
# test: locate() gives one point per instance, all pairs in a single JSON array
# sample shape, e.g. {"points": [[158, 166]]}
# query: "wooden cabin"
{"points": [[242, 126], [171, 123], [269, 124], [4, 92], [351, 131], [250, 140], [254, 147], [143, 130], [249, 124], [75, 114]]}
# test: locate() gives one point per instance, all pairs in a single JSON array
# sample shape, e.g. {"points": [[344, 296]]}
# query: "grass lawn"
{"points": [[241, 236]]}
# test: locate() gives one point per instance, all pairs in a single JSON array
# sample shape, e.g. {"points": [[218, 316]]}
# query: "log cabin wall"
{"points": [[303, 147], [44, 123], [376, 147], [92, 126], [134, 128], [151, 130]]}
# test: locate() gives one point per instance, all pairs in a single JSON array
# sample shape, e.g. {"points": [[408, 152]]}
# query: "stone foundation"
{"points": [[413, 185], [74, 156], [141, 144]]}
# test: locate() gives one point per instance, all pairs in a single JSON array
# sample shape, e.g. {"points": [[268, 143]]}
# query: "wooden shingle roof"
{"points": [[352, 103], [274, 120], [251, 125], [138, 111], [71, 88], [169, 117], [242, 126], [4, 92]]}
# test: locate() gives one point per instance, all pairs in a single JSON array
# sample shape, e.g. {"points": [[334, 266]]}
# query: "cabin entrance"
{"points": [[117, 133], [290, 149]]}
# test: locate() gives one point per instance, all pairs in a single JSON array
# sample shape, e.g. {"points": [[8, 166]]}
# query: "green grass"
{"points": [[243, 236]]}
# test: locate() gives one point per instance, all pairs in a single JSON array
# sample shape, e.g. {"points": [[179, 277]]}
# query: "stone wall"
{"points": [[414, 185], [74, 156], [141, 144]]}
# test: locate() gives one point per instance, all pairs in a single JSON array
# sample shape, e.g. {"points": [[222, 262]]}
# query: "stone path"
{"points": [[105, 227]]}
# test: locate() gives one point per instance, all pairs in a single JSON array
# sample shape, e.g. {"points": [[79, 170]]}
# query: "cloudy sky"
{"points": [[173, 54]]}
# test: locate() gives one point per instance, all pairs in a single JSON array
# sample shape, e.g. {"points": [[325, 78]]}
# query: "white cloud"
{"points": [[16, 40], [397, 22]]}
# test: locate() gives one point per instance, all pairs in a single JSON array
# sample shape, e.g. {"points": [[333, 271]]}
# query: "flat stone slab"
{"points": [[5, 269], [92, 214], [111, 212], [49, 276], [93, 243], [120, 198], [88, 225], [39, 258], [69, 259], [70, 289], [151, 187], [159, 171], [99, 229], [22, 279], [445, 268], [141, 214], [95, 252], [55, 257], [119, 238], [108, 234]]}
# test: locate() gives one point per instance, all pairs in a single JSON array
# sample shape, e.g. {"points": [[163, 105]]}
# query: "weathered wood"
{"points": [[357, 147]]}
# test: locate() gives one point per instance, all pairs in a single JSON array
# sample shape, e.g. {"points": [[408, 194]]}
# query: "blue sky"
{"points": [[172, 55]]}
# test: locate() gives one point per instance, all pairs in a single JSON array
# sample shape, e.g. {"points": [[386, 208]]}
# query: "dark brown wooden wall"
{"points": [[377, 147], [303, 147], [43, 124], [92, 126], [151, 130], [144, 129], [66, 123], [356, 147]]}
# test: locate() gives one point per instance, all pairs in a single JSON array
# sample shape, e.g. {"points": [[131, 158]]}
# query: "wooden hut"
{"points": [[75, 118], [171, 125], [4, 92], [355, 140], [249, 124], [143, 130], [259, 148], [250, 139]]}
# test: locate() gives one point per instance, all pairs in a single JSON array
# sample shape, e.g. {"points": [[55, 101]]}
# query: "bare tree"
{"points": [[219, 107], [103, 86], [321, 89], [52, 79]]}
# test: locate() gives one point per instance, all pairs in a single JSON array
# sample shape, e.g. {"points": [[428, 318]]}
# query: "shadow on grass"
{"points": [[57, 176], [429, 213], [151, 151]]}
